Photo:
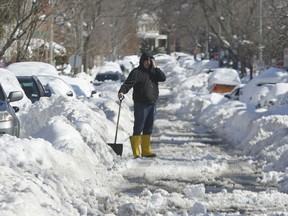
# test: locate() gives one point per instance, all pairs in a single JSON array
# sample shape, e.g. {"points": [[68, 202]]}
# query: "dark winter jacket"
{"points": [[144, 82]]}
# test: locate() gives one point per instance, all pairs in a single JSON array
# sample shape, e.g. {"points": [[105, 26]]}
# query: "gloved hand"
{"points": [[120, 96]]}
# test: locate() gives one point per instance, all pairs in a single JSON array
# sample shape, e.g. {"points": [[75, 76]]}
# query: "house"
{"points": [[148, 30]]}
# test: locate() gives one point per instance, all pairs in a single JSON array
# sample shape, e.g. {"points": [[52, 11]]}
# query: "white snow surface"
{"points": [[32, 68], [260, 85], [224, 76], [62, 165]]}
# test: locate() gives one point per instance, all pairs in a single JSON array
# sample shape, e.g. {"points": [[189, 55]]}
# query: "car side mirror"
{"points": [[227, 96], [208, 71], [93, 92], [69, 94], [15, 96], [47, 93]]}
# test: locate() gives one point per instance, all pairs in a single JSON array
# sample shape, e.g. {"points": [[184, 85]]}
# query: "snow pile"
{"points": [[62, 170], [195, 191], [259, 133]]}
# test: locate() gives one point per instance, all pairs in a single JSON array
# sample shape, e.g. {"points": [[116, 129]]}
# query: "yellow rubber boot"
{"points": [[135, 144], [145, 146]]}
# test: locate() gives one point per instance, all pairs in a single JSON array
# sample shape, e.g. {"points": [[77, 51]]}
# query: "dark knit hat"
{"points": [[145, 56]]}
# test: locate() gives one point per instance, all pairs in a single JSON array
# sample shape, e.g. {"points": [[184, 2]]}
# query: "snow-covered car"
{"points": [[9, 122], [277, 94], [33, 88], [46, 73], [82, 87], [108, 76], [10, 83], [56, 85], [109, 71], [259, 93], [110, 66], [223, 80], [32, 68], [257, 89], [129, 63], [162, 59], [182, 57], [205, 66]]}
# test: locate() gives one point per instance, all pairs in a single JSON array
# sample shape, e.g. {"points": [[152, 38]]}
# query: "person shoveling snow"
{"points": [[144, 80]]}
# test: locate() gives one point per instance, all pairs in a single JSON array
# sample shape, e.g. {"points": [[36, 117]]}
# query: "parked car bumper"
{"points": [[9, 127]]}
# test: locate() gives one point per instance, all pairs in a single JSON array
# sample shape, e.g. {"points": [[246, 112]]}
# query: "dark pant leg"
{"points": [[148, 126], [139, 118]]}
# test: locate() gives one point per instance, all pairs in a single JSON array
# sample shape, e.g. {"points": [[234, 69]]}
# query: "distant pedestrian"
{"points": [[144, 81]]}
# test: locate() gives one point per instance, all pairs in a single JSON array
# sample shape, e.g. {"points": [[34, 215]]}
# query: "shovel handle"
{"points": [[117, 124]]}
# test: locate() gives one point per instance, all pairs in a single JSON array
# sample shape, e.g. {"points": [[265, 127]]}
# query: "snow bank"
{"points": [[259, 133]]}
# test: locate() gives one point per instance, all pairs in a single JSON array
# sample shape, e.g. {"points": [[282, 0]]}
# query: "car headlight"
{"points": [[5, 116]]}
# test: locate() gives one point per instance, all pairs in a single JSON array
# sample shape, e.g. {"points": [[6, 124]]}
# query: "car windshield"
{"points": [[107, 76]]}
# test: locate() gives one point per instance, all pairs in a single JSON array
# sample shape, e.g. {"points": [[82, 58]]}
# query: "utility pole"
{"points": [[81, 32], [260, 32], [81, 38], [51, 35], [207, 42]]}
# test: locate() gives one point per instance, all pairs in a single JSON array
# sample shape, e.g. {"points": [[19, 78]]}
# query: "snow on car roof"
{"points": [[32, 68], [110, 66], [272, 75], [225, 76]]}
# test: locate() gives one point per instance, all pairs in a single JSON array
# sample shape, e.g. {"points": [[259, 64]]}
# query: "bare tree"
{"points": [[22, 19], [107, 28], [99, 28], [235, 25], [275, 28]]}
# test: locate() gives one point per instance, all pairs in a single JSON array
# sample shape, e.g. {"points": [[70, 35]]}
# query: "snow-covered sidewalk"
{"points": [[195, 173]]}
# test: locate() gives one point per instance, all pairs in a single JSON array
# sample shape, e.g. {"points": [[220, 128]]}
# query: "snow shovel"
{"points": [[117, 147]]}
